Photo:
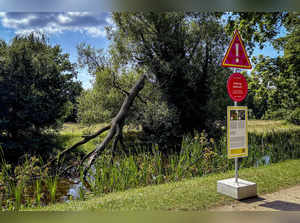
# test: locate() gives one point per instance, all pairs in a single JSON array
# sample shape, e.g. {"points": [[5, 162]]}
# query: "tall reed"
{"points": [[38, 189], [18, 191], [199, 156], [52, 187]]}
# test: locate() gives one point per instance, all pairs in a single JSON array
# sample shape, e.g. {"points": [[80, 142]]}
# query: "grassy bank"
{"points": [[194, 194], [200, 157]]}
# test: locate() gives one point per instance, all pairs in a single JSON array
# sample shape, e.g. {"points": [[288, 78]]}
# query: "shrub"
{"points": [[294, 117], [280, 114]]}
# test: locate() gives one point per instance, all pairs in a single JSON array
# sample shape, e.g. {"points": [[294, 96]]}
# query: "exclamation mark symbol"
{"points": [[237, 53]]}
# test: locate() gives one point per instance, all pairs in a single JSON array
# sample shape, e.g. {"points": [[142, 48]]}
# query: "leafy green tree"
{"points": [[275, 81], [183, 51], [36, 87], [180, 54], [257, 27]]}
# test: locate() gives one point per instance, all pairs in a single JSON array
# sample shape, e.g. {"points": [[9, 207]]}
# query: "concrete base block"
{"points": [[241, 190]]}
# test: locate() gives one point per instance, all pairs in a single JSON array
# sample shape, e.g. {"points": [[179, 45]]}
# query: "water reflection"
{"points": [[265, 160], [74, 191]]}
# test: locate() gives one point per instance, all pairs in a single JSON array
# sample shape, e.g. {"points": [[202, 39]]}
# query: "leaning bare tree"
{"points": [[97, 62]]}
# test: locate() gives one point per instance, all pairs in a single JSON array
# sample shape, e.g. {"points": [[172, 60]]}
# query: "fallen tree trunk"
{"points": [[116, 125]]}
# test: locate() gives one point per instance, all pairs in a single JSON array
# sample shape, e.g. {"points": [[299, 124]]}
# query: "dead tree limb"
{"points": [[85, 140], [115, 123], [118, 137], [115, 142]]}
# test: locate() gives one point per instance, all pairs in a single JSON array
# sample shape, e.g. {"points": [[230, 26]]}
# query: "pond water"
{"points": [[265, 160], [68, 189], [74, 191]]}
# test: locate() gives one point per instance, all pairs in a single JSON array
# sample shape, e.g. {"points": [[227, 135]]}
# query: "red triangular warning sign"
{"points": [[236, 55]]}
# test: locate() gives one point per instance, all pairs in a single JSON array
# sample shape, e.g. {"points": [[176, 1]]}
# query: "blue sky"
{"points": [[68, 29]]}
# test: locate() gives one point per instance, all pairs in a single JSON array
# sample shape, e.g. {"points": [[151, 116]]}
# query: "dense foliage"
{"points": [[36, 89], [182, 50], [274, 83]]}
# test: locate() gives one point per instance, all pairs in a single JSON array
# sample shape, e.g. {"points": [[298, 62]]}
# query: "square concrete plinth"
{"points": [[242, 189]]}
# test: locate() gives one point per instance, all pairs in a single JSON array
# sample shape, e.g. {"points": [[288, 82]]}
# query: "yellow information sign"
{"points": [[237, 131]]}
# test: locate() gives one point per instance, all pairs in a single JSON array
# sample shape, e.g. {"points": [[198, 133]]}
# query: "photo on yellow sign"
{"points": [[237, 131]]}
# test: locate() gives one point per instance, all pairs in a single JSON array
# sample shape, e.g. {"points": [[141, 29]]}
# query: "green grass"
{"points": [[261, 126], [194, 194]]}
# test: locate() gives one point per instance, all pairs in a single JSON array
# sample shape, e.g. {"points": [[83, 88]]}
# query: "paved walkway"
{"points": [[283, 200]]}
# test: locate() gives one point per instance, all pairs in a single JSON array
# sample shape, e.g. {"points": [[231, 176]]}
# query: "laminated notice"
{"points": [[237, 131]]}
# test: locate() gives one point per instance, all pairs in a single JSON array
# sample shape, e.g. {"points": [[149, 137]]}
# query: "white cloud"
{"points": [[15, 23], [64, 19], [77, 13], [95, 31], [86, 22], [109, 20]]}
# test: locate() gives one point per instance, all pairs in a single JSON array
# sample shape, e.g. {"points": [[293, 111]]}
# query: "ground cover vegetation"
{"points": [[160, 81], [29, 185]]}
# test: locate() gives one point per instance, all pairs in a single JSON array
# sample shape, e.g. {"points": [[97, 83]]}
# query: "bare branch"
{"points": [[195, 47], [85, 140]]}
